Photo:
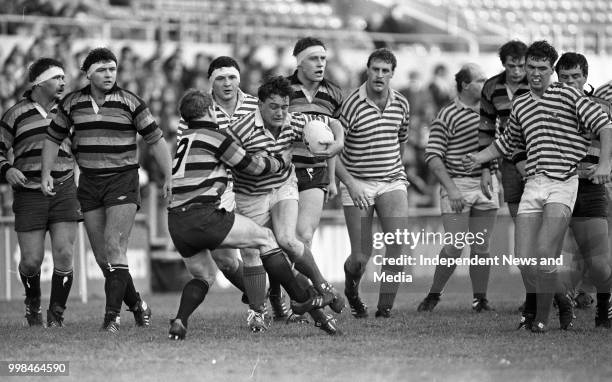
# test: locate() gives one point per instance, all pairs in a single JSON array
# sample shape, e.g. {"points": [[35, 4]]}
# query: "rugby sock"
{"points": [[131, 297], [114, 286], [352, 276], [546, 283], [234, 276], [530, 304], [193, 294], [31, 284], [603, 298], [255, 287], [61, 282], [388, 290], [306, 265], [275, 288], [441, 274], [479, 275], [279, 270]]}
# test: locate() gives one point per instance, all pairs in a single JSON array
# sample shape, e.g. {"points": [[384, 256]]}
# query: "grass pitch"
{"points": [[450, 343]]}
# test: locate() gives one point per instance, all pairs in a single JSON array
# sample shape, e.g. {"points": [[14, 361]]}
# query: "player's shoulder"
{"points": [[352, 98], [249, 98], [400, 97], [448, 112], [602, 90], [128, 96], [492, 83], [521, 98], [333, 89], [71, 98], [13, 112], [605, 105]]}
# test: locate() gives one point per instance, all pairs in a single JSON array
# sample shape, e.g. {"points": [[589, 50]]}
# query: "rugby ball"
{"points": [[317, 136]]}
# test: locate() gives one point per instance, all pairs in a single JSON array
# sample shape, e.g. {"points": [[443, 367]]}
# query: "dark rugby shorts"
{"points": [[312, 177], [591, 201], [512, 182], [35, 211], [97, 191], [198, 226]]}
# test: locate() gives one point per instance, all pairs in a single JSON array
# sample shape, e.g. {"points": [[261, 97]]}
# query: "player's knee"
{"points": [[202, 272], [269, 238], [290, 244], [114, 252], [30, 265], [62, 257], [227, 263], [305, 236], [209, 279], [250, 257]]}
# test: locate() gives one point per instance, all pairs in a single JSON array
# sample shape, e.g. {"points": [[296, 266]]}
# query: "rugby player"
{"points": [[22, 129], [230, 104], [551, 125], [272, 200], [589, 218], [199, 224], [375, 118], [104, 120], [464, 205]]}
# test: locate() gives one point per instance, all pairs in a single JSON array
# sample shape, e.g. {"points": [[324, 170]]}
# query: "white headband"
{"points": [[95, 66], [309, 51], [225, 71], [51, 72]]}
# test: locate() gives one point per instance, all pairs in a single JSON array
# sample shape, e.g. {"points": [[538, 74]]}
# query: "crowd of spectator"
{"points": [[161, 80]]}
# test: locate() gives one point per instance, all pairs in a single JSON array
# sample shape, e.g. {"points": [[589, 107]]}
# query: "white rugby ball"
{"points": [[317, 136]]}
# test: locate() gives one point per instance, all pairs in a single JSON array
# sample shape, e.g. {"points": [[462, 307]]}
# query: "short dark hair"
{"points": [[515, 49], [222, 62], [277, 85], [98, 55], [463, 75], [570, 60], [542, 50], [41, 65], [306, 42], [194, 104], [383, 54]]}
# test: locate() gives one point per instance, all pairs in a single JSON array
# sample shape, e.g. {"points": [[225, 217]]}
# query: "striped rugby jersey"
{"points": [[604, 92], [495, 105], [203, 156], [452, 135], [554, 131], [250, 133], [104, 139], [23, 128], [246, 104], [372, 137], [326, 101], [591, 158]]}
